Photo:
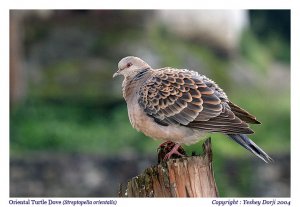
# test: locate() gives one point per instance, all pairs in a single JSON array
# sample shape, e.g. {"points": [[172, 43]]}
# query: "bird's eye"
{"points": [[128, 65]]}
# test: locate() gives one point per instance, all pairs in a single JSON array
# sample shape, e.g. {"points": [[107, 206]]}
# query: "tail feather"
{"points": [[243, 114], [248, 144]]}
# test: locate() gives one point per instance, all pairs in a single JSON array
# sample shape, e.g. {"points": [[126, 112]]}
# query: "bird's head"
{"points": [[130, 66]]}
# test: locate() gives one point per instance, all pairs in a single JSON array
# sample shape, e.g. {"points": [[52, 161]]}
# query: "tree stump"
{"points": [[182, 177]]}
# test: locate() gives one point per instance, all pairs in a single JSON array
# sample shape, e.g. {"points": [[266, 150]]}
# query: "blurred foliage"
{"points": [[268, 37], [255, 52], [69, 127], [75, 108], [176, 53]]}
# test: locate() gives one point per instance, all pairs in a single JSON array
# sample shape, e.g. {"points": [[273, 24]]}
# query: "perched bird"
{"points": [[182, 106]]}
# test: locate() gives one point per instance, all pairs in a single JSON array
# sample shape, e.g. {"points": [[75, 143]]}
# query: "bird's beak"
{"points": [[116, 74]]}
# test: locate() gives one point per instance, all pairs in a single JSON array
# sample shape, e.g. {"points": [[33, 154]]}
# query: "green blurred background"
{"points": [[69, 130]]}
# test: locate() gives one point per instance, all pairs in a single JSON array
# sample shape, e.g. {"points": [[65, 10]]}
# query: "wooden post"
{"points": [[181, 177]]}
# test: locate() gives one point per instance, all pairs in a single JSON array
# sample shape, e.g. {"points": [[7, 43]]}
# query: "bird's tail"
{"points": [[248, 144]]}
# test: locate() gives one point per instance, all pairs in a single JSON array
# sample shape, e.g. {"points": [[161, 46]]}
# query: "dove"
{"points": [[182, 106]]}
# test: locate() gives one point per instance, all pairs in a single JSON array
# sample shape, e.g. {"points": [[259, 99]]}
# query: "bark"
{"points": [[182, 177]]}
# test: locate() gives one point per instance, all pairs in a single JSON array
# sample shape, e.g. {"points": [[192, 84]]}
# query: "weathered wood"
{"points": [[181, 177]]}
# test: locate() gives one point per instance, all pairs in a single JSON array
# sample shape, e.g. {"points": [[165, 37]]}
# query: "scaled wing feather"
{"points": [[179, 96]]}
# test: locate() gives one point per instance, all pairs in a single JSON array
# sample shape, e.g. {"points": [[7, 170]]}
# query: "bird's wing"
{"points": [[184, 97], [243, 114]]}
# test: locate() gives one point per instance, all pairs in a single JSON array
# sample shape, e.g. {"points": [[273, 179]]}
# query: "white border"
{"points": [[4, 108], [295, 109], [154, 4]]}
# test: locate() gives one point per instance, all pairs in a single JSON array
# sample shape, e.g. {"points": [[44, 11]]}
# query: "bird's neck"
{"points": [[132, 84]]}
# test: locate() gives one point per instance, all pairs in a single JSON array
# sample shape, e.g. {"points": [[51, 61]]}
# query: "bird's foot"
{"points": [[169, 150], [174, 151]]}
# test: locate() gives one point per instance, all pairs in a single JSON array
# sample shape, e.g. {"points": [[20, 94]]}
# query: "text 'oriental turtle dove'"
{"points": [[181, 106]]}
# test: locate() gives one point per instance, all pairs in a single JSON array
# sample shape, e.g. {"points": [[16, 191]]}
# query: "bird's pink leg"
{"points": [[173, 151]]}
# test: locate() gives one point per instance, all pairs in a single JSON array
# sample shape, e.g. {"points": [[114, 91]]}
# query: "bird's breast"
{"points": [[175, 133]]}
